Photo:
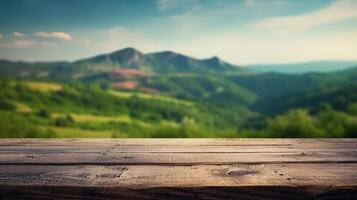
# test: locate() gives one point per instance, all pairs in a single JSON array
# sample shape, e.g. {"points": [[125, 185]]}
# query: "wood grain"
{"points": [[178, 169], [176, 158], [138, 176], [253, 181]]}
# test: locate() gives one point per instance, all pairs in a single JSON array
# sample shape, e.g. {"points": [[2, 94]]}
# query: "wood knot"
{"points": [[109, 175], [116, 173], [303, 154], [238, 173]]}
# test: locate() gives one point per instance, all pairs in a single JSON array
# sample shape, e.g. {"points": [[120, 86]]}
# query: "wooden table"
{"points": [[178, 169]]}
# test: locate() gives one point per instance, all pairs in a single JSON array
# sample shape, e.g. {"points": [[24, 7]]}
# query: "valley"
{"points": [[131, 94]]}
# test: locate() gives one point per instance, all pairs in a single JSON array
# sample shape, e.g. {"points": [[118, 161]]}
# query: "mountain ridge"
{"points": [[157, 62], [323, 66], [154, 62], [131, 57]]}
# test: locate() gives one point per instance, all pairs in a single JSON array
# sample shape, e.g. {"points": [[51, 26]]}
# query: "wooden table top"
{"points": [[178, 168]]}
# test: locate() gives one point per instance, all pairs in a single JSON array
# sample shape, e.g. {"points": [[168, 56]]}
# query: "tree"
{"points": [[44, 113], [64, 121], [295, 123]]}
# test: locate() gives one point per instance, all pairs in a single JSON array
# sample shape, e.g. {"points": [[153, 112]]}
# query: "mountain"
{"points": [[165, 61], [128, 57], [159, 62], [304, 67]]}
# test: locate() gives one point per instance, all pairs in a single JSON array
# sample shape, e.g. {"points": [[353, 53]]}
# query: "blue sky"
{"points": [[239, 31]]}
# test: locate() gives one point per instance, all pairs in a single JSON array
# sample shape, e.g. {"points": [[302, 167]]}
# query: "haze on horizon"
{"points": [[238, 31]]}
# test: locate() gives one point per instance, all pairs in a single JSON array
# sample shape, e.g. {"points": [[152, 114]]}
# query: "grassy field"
{"points": [[95, 118], [64, 132], [21, 107], [123, 94], [44, 86], [89, 118]]}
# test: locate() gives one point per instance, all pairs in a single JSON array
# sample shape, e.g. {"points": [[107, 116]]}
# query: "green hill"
{"points": [[130, 94]]}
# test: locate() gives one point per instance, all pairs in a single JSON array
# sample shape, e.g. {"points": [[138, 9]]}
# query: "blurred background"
{"points": [[170, 68]]}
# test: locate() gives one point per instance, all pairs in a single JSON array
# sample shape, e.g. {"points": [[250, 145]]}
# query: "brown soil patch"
{"points": [[129, 73], [126, 85]]}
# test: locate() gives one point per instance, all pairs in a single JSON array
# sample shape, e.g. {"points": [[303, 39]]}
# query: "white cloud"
{"points": [[54, 35], [23, 44], [335, 12], [84, 44], [18, 34], [1, 35]]}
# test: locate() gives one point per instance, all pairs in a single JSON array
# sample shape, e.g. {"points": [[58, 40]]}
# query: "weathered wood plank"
{"points": [[178, 169], [176, 158], [262, 181], [175, 149], [137, 176]]}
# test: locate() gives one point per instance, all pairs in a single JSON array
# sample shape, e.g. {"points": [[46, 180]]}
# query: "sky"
{"points": [[238, 31]]}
